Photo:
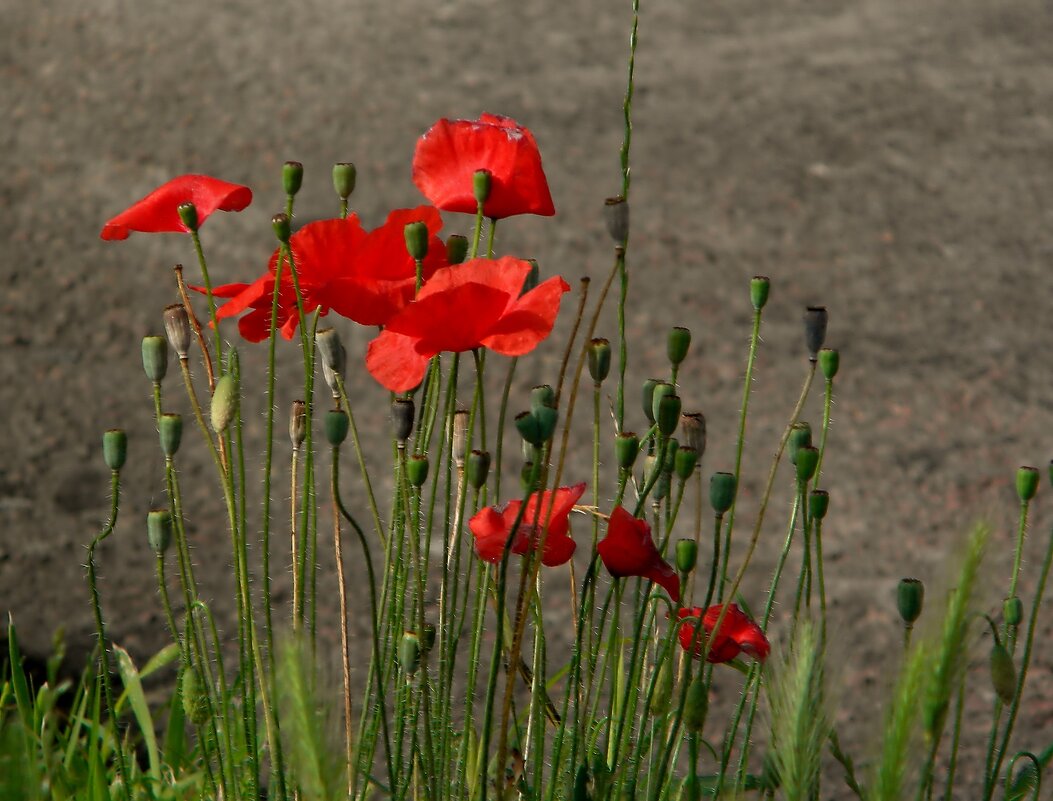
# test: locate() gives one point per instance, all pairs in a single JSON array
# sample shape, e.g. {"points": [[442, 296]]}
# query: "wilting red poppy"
{"points": [[738, 633], [452, 151], [463, 307], [629, 550], [158, 211], [364, 276], [491, 526]]}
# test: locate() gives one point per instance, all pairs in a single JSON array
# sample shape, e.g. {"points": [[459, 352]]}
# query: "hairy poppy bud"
{"points": [[1013, 610], [297, 423], [800, 437], [647, 398], [759, 287], [693, 432], [1003, 673], [292, 177], [282, 226], [334, 358], [409, 653], [402, 414], [481, 182], [684, 463], [722, 488], [478, 468], [818, 503], [626, 449], [417, 470], [599, 359], [195, 701], [542, 395], [815, 318], [1026, 483], [807, 462], [344, 175], [159, 530], [416, 234], [337, 424], [661, 389], [616, 215], [155, 358], [177, 327], [668, 412], [115, 448], [456, 248], [170, 431], [686, 555], [829, 362], [224, 403], [910, 597], [696, 705], [188, 215], [677, 344], [661, 700], [460, 436]]}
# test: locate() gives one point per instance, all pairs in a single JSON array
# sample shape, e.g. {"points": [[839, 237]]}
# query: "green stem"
{"points": [[208, 292]]}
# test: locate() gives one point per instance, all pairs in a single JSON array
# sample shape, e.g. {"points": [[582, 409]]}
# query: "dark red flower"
{"points": [[452, 151], [463, 307], [157, 212], [629, 550], [738, 633], [364, 276], [491, 526]]}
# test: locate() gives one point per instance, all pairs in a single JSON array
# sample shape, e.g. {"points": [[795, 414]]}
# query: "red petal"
{"points": [[157, 212], [506, 274], [665, 577], [529, 320], [369, 302], [323, 250], [623, 550], [453, 321], [393, 360], [490, 533], [383, 254]]}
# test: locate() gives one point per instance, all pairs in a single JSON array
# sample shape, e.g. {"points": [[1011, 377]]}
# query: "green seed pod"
{"points": [[547, 417], [1003, 673], [685, 461], [815, 319], [829, 362], [818, 503], [282, 226], [416, 234], [297, 423], [1013, 611], [409, 653], [910, 598], [337, 424], [177, 328], [427, 638], [677, 344], [292, 177], [616, 216], [478, 468], [672, 448], [115, 448], [195, 702], [599, 359], [626, 449], [456, 249], [759, 287], [807, 462], [661, 700], [686, 555], [661, 486], [224, 403], [527, 480], [696, 705], [344, 176], [529, 428], [661, 390], [693, 431], [668, 412], [722, 487], [170, 431], [1026, 483], [647, 398], [403, 411], [159, 530], [542, 395], [188, 215], [800, 437], [417, 470], [481, 183], [155, 358]]}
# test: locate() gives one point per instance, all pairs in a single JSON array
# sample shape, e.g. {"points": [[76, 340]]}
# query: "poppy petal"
{"points": [[158, 211], [490, 532], [393, 360], [529, 320]]}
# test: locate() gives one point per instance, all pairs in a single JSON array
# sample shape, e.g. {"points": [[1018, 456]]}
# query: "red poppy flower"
{"points": [[491, 526], [364, 276], [738, 633], [157, 212], [629, 550], [463, 307], [452, 151]]}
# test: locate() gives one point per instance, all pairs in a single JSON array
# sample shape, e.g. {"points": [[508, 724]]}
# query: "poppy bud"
{"points": [[542, 395], [910, 597], [402, 414], [807, 462], [297, 423], [337, 424], [818, 503], [1003, 673], [417, 470], [660, 390], [661, 700], [460, 437], [344, 175], [672, 448], [1026, 483], [686, 555], [696, 705], [478, 468], [409, 653], [647, 398], [170, 430], [195, 702], [334, 357], [626, 449], [188, 215], [668, 412], [292, 177], [456, 248], [722, 488], [177, 327], [1013, 610], [527, 480], [677, 344], [159, 530], [155, 358], [224, 403], [759, 286], [829, 362], [661, 484], [599, 359], [693, 431], [800, 437], [815, 318], [616, 215], [481, 182], [282, 226], [533, 277], [115, 448], [529, 428], [684, 463], [416, 234]]}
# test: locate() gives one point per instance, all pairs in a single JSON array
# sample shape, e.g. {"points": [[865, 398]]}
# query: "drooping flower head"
{"points": [[158, 212], [452, 151], [737, 634], [491, 526], [463, 307], [629, 550]]}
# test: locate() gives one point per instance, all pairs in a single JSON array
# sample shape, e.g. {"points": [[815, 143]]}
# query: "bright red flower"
{"points": [[364, 276], [452, 151], [738, 633], [463, 307], [157, 212], [491, 526], [629, 550]]}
